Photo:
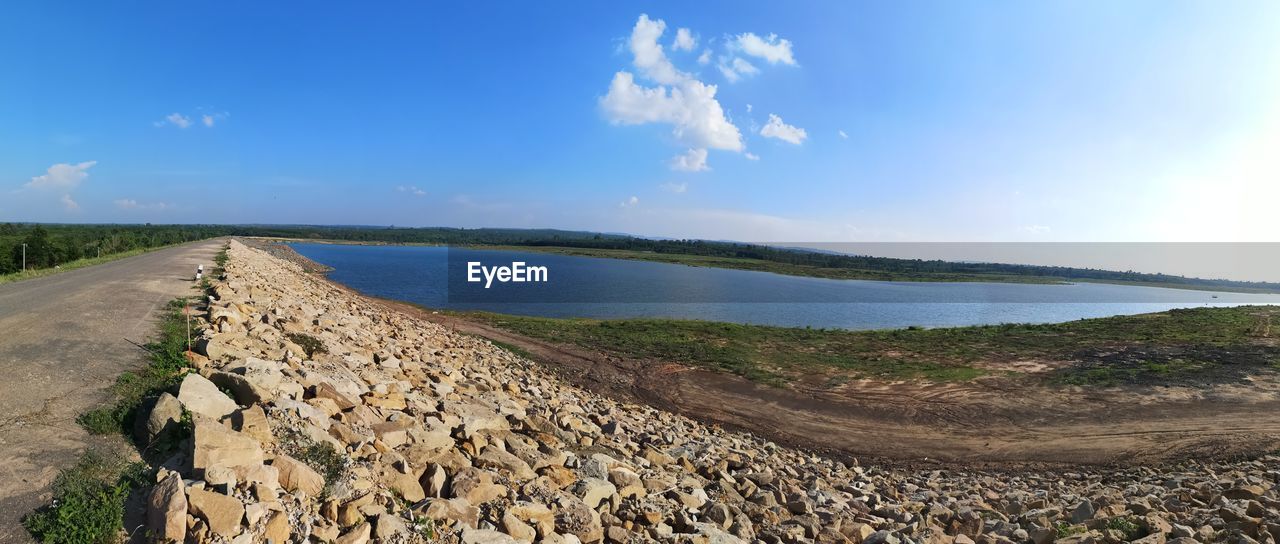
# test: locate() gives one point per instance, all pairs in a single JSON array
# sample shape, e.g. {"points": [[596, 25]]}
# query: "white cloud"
{"points": [[207, 120], [629, 202], [176, 119], [842, 134], [691, 108], [736, 68], [748, 108], [131, 204], [411, 189], [647, 53], [705, 57], [684, 40], [751, 156], [70, 204], [62, 176], [677, 98], [775, 128], [770, 48], [1035, 229], [693, 160], [673, 187]]}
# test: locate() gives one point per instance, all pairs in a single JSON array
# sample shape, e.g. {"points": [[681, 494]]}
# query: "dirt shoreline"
{"points": [[988, 423]]}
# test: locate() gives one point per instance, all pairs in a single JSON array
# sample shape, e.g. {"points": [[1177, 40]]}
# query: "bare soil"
{"points": [[997, 421]]}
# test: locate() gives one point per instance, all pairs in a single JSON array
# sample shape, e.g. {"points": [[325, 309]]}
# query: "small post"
{"points": [[186, 310], [24, 257]]}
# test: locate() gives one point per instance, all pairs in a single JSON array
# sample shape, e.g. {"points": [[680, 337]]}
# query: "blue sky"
{"points": [[922, 121]]}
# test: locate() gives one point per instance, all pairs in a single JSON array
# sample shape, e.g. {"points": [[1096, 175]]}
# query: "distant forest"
{"points": [[53, 244]]}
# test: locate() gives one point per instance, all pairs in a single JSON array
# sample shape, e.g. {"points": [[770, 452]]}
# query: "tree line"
{"points": [[49, 245]]}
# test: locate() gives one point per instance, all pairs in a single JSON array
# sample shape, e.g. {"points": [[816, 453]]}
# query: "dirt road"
{"points": [[63, 340]]}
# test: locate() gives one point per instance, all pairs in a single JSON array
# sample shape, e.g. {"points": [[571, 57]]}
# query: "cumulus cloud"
{"points": [[673, 187], [684, 40], [647, 54], [411, 189], [693, 160], [657, 92], [62, 176], [842, 134], [629, 202], [131, 204], [176, 119], [751, 156], [690, 108], [775, 128], [68, 203], [770, 48]]}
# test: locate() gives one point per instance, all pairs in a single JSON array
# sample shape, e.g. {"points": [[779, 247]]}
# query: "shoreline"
{"points": [[795, 270], [1104, 427]]}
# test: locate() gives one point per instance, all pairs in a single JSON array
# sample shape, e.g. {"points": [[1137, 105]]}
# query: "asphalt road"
{"points": [[63, 340]]}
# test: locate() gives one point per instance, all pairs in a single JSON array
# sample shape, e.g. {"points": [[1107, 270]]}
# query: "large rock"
{"points": [[222, 513], [201, 396], [594, 490], [167, 509], [245, 391], [277, 530], [217, 446], [297, 477], [454, 511], [252, 421], [503, 461], [161, 421], [486, 536]]}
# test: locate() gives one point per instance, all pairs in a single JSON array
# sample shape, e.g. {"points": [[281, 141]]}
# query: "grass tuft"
{"points": [[310, 344], [88, 501], [167, 362]]}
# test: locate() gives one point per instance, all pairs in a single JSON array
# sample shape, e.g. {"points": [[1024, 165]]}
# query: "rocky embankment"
{"points": [[317, 416]]}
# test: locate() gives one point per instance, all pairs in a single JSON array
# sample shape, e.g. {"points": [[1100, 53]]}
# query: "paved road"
{"points": [[63, 340]]}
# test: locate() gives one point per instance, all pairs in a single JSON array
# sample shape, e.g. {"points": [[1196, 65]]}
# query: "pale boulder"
{"points": [[201, 396]]}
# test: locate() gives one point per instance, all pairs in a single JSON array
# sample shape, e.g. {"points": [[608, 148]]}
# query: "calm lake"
{"points": [[436, 277]]}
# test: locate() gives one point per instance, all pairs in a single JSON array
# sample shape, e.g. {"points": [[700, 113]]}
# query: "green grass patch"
{"points": [[166, 356], [517, 350], [88, 501], [1128, 528], [310, 344], [320, 456], [1168, 346]]}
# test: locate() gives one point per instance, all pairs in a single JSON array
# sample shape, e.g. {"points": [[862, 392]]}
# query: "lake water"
{"points": [[612, 288]]}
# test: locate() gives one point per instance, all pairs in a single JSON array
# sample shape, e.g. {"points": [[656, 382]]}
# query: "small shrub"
{"points": [[88, 501], [1064, 529], [1125, 526], [321, 456], [308, 343]]}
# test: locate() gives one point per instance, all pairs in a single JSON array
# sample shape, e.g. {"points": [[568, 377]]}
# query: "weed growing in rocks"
{"points": [[308, 343]]}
